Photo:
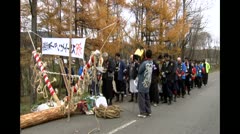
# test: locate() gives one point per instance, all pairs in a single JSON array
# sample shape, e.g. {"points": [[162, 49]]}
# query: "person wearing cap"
{"points": [[107, 78], [143, 85]]}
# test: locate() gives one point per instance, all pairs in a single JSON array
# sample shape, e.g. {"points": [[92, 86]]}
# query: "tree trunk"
{"points": [[183, 44], [33, 5], [183, 48], [75, 18]]}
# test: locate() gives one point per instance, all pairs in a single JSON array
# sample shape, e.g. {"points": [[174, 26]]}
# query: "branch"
{"points": [[30, 3]]}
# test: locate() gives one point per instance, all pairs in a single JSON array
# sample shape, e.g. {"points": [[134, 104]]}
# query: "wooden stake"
{"points": [[70, 60]]}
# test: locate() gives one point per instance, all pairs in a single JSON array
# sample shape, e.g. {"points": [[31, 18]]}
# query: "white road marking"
{"points": [[121, 127]]}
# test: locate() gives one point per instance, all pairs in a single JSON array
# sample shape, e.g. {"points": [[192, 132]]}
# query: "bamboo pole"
{"points": [[70, 60]]}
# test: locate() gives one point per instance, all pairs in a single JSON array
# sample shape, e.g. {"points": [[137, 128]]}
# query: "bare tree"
{"points": [[197, 27], [33, 5], [192, 10]]}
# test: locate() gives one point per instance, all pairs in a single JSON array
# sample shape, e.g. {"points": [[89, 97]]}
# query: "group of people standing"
{"points": [[151, 81]]}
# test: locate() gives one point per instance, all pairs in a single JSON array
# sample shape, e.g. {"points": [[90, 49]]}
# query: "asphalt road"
{"points": [[198, 113]]}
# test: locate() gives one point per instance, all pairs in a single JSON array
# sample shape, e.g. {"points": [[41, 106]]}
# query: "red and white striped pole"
{"points": [[47, 81], [85, 68]]}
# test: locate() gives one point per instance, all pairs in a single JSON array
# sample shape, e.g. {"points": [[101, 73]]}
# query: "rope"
{"points": [[44, 92], [41, 88], [72, 76], [107, 37], [31, 41], [109, 112], [98, 123], [38, 79], [56, 73], [86, 37], [66, 106], [36, 34], [104, 28]]}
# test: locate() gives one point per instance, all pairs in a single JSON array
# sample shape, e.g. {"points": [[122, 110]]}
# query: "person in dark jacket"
{"points": [[188, 75], [175, 84], [133, 71], [168, 78], [107, 78], [120, 68], [153, 91], [161, 61]]}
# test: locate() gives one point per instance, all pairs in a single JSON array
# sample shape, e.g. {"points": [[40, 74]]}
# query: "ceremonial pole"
{"points": [[70, 62], [45, 76]]}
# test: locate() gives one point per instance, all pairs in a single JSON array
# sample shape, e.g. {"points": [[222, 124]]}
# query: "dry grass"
{"points": [[25, 101]]}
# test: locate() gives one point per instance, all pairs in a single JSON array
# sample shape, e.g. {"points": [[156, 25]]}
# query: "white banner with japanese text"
{"points": [[60, 46]]}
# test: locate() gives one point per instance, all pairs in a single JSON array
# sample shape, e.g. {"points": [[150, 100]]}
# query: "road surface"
{"points": [[198, 113]]}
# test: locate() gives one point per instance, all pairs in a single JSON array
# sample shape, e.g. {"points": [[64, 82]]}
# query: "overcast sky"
{"points": [[212, 15]]}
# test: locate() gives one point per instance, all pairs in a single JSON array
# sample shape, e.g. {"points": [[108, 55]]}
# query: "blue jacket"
{"points": [[182, 69], [80, 70], [145, 76], [122, 67], [199, 70]]}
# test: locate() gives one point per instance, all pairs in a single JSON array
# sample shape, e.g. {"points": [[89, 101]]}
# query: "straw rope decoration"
{"points": [[60, 111], [86, 67], [48, 83], [38, 80]]}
